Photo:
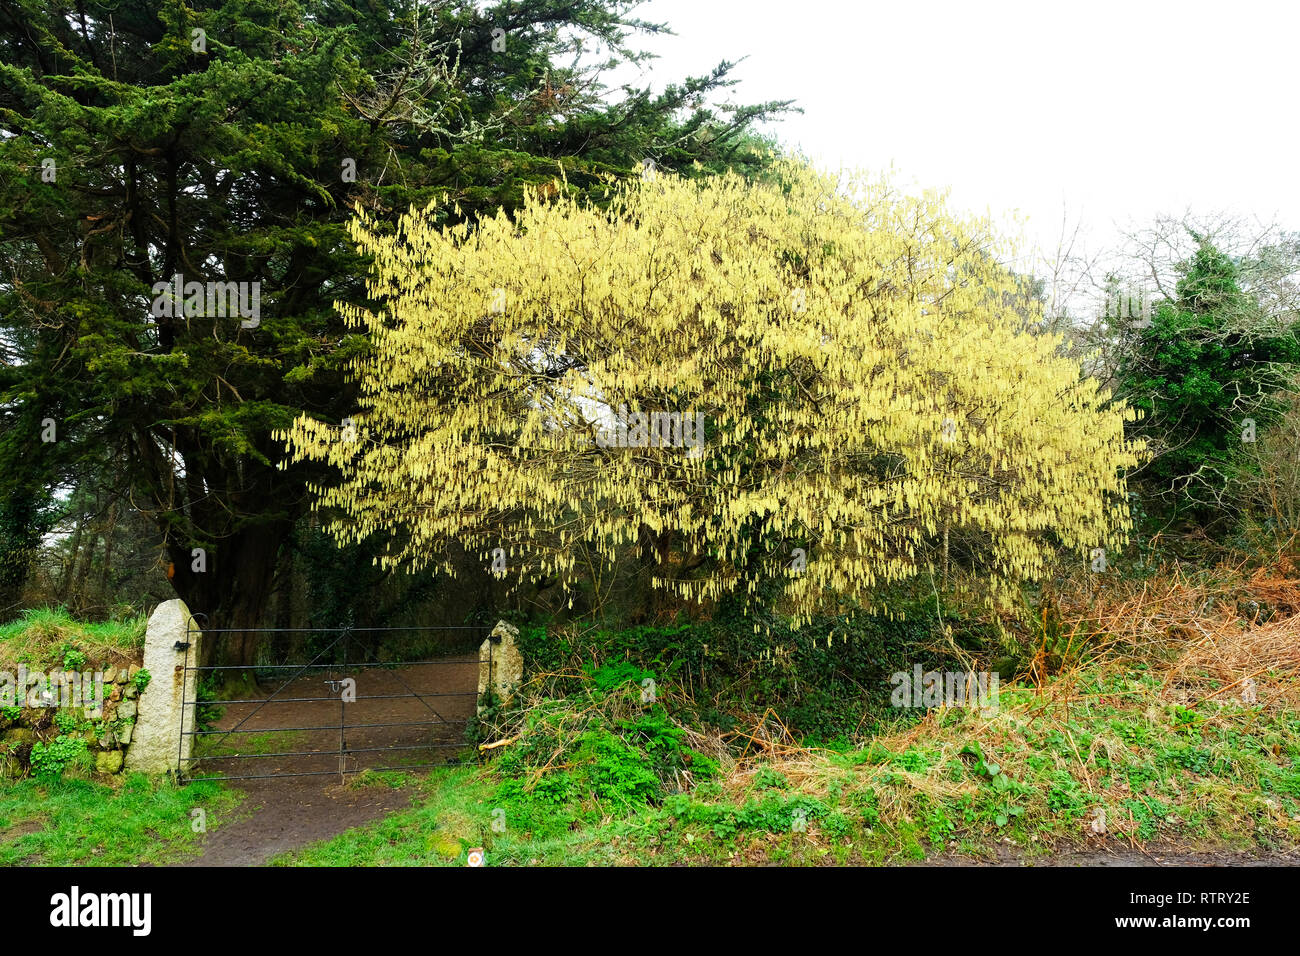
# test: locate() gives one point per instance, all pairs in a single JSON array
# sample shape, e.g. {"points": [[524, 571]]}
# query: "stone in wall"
{"points": [[104, 724]]}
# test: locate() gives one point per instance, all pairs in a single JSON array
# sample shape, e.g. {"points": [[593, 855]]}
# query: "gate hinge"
{"points": [[182, 645]]}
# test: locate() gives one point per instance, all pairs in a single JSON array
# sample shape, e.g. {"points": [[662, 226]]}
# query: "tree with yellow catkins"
{"points": [[852, 387]]}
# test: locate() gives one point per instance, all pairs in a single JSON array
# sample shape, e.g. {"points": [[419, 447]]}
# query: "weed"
{"points": [[49, 760]]}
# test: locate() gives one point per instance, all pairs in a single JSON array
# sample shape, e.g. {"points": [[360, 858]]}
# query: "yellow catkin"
{"points": [[858, 355]]}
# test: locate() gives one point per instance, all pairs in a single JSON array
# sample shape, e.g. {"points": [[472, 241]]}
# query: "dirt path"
{"points": [[281, 815], [1120, 856], [413, 715], [408, 715]]}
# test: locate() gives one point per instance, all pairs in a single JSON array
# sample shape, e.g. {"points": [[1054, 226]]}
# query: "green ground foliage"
{"points": [[1043, 773], [47, 639], [127, 822]]}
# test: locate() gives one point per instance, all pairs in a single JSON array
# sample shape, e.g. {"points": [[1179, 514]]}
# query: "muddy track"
{"points": [[281, 815], [410, 715], [1123, 855]]}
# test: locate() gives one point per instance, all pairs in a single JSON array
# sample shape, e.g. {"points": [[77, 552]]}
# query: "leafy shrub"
{"points": [[825, 680], [609, 676], [73, 659], [50, 759], [617, 771], [66, 722]]}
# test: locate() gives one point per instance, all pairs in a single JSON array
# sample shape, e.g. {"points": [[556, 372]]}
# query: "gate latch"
{"points": [[182, 645]]}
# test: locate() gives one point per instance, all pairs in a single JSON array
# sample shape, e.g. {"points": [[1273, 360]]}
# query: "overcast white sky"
{"points": [[1112, 112]]}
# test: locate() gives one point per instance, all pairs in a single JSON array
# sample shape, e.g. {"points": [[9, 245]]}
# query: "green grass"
{"points": [[455, 813], [596, 774], [81, 823], [394, 779], [1031, 777], [439, 831], [49, 638], [250, 743], [586, 786]]}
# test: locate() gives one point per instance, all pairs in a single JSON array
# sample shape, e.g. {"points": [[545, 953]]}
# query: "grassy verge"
{"points": [[137, 820], [249, 743], [1098, 757], [49, 638], [1160, 712]]}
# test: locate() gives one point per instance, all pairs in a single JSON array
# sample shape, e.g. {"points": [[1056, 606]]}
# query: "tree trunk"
{"points": [[105, 574], [77, 604], [69, 569], [232, 590]]}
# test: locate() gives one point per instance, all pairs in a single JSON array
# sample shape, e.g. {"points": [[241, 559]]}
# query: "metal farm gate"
{"points": [[330, 701]]}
